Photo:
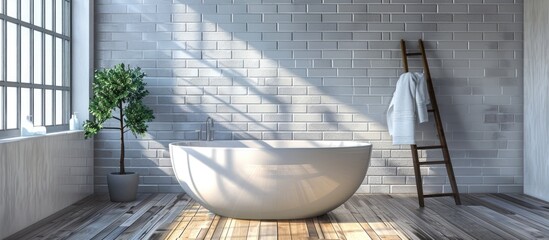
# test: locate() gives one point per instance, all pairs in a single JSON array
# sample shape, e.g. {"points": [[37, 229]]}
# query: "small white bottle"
{"points": [[74, 124], [27, 126]]}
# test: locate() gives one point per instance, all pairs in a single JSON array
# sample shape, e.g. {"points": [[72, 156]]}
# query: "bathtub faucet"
{"points": [[209, 129]]}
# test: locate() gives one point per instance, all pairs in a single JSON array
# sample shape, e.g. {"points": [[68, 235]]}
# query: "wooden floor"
{"points": [[172, 216]]}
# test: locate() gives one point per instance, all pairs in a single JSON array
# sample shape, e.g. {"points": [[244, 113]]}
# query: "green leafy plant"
{"points": [[118, 94]]}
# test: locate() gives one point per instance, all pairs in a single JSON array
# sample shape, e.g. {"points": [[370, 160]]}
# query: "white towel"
{"points": [[410, 97]]}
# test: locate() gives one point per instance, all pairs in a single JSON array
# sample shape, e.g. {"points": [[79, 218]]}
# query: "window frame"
{"points": [[66, 58]]}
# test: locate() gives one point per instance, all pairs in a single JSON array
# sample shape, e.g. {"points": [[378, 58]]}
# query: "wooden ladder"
{"points": [[438, 122]]}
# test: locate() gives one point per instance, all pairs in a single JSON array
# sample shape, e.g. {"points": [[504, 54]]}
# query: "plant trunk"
{"points": [[122, 168]]}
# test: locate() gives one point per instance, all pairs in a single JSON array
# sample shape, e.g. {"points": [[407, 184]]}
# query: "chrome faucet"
{"points": [[209, 129]]}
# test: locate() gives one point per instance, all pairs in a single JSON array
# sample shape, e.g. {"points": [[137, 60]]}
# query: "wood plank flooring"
{"points": [[176, 216]]}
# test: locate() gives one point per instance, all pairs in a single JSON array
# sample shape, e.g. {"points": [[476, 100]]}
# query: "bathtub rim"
{"points": [[357, 144]]}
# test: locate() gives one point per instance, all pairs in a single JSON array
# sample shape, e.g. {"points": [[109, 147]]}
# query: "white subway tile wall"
{"points": [[320, 70]]}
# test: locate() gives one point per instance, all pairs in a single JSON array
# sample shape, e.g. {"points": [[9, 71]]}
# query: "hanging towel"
{"points": [[410, 97]]}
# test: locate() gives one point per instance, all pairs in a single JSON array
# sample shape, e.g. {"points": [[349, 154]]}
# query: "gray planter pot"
{"points": [[123, 188]]}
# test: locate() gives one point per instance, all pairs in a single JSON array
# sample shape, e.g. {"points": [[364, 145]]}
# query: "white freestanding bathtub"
{"points": [[270, 179]]}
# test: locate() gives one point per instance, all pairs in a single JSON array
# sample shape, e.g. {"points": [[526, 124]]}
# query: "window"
{"points": [[34, 64]]}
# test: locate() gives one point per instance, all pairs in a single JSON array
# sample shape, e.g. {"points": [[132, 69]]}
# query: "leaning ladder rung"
{"points": [[432, 162], [440, 130], [413, 54], [430, 147], [438, 195]]}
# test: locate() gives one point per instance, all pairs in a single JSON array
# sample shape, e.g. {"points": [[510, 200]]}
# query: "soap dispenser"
{"points": [[74, 124]]}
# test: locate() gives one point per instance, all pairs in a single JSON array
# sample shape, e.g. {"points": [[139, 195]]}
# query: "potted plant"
{"points": [[118, 94]]}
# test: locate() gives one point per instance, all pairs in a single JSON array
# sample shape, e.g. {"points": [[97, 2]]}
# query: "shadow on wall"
{"points": [[272, 71], [262, 81]]}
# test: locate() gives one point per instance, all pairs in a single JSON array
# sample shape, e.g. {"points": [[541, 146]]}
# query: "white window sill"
{"points": [[23, 138]]}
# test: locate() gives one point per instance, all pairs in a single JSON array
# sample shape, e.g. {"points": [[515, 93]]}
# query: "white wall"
{"points": [[42, 175], [82, 56], [322, 70], [536, 99]]}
